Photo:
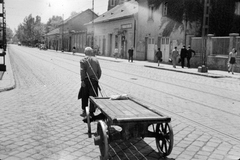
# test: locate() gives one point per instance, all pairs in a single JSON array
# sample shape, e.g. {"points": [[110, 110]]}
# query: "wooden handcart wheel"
{"points": [[103, 144], [164, 139], [88, 122]]}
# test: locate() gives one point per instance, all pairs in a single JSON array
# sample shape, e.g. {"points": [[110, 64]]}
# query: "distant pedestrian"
{"points": [[115, 54], [190, 53], [183, 55], [130, 54], [174, 56], [74, 50], [122, 52], [159, 56], [232, 60]]}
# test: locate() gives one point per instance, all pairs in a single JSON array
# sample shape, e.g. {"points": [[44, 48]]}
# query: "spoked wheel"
{"points": [[164, 139], [103, 144], [88, 122]]}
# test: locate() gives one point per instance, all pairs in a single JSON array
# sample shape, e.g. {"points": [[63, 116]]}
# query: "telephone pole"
{"points": [[92, 24], [205, 28]]}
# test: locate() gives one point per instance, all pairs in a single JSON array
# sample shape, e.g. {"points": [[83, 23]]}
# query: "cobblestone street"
{"points": [[39, 119]]}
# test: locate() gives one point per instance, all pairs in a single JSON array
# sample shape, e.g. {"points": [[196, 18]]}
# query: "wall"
{"points": [[113, 28], [217, 50], [146, 28]]}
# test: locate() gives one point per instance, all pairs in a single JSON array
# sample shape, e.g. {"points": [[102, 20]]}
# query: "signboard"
{"points": [[126, 26]]}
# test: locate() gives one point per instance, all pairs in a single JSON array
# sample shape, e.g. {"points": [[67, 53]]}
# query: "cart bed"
{"points": [[127, 110]]}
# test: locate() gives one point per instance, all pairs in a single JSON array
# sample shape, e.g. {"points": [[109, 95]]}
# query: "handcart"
{"points": [[134, 120]]}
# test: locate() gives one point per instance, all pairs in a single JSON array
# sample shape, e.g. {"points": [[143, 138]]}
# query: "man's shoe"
{"points": [[100, 116], [83, 114], [92, 119]]}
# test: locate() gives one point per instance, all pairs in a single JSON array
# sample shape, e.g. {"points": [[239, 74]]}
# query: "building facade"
{"points": [[71, 33], [115, 30]]}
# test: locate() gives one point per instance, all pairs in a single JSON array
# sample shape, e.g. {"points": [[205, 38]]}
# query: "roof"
{"points": [[123, 10], [53, 32], [72, 17]]}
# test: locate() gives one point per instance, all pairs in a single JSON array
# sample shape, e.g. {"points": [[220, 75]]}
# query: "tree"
{"points": [[73, 13], [53, 23], [178, 12], [9, 34], [31, 31], [222, 19]]}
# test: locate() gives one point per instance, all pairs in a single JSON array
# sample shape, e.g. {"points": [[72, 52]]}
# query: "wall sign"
{"points": [[126, 26]]}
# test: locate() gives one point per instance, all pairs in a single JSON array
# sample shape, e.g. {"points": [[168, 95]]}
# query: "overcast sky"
{"points": [[17, 10]]}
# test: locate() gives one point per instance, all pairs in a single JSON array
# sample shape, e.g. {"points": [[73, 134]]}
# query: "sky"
{"points": [[17, 10]]}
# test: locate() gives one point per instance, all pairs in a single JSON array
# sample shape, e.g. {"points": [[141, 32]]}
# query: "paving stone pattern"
{"points": [[39, 119]]}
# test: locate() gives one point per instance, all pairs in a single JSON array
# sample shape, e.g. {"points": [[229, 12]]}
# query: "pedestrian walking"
{"points": [[122, 52], [159, 56], [74, 50], [90, 72], [183, 55], [232, 60], [115, 54], [130, 54], [190, 53], [174, 56]]}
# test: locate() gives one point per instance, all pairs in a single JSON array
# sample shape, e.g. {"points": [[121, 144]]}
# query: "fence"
{"points": [[220, 45], [217, 51]]}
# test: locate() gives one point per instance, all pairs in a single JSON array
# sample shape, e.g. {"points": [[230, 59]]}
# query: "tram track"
{"points": [[155, 80], [162, 81], [155, 106]]}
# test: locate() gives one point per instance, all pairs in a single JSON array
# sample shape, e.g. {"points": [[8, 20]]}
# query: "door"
{"points": [[104, 45], [150, 49], [165, 48]]}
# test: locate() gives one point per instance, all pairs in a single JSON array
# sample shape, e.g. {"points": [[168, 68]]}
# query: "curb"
{"points": [[199, 74], [9, 74]]}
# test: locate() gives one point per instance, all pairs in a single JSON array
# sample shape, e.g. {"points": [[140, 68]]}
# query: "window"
{"points": [[152, 40], [163, 40], [165, 7], [237, 8], [167, 40], [112, 2], [149, 41], [150, 12], [116, 41]]}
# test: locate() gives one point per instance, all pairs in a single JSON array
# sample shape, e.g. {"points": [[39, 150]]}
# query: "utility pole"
{"points": [[92, 24], [205, 29], [63, 34]]}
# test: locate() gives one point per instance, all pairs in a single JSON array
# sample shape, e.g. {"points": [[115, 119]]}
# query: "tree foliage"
{"points": [[31, 31], [193, 9], [53, 23], [222, 18], [9, 34]]}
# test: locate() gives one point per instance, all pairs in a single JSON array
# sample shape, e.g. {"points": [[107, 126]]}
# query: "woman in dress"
{"points": [[232, 60]]}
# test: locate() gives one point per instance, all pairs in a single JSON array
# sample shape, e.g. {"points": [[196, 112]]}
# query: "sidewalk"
{"points": [[169, 67], [8, 82]]}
